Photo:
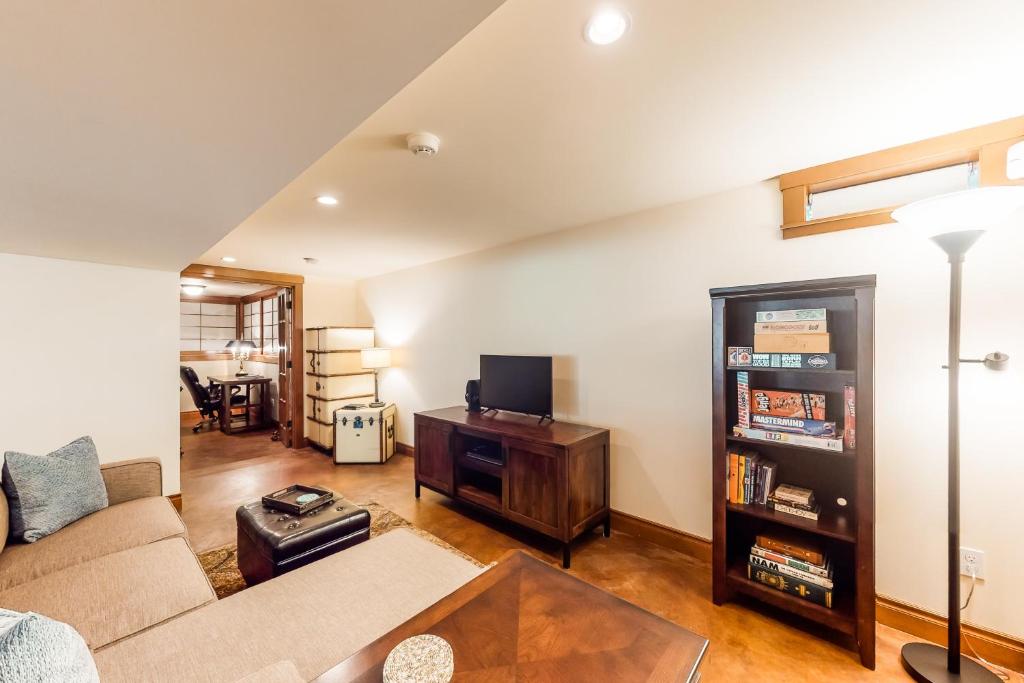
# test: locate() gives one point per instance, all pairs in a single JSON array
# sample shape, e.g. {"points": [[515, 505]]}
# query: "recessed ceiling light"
{"points": [[228, 259], [327, 200], [193, 290], [606, 26]]}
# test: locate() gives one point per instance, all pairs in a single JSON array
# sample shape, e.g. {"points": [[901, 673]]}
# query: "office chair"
{"points": [[207, 399]]}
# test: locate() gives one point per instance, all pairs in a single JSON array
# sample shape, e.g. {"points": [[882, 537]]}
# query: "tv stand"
{"points": [[540, 420], [553, 478]]}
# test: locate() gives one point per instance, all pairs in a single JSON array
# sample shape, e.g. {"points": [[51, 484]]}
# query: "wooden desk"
{"points": [[232, 424], [524, 620]]}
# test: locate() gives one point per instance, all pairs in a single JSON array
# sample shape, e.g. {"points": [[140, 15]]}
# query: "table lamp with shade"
{"points": [[374, 359], [240, 350], [955, 222]]}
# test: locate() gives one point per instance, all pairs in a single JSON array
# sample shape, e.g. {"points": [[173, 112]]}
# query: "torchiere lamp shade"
{"points": [[375, 358]]}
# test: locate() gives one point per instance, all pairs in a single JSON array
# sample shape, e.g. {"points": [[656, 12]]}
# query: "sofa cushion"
{"points": [[315, 616], [46, 493], [110, 530], [35, 648], [5, 519], [278, 672], [117, 595]]}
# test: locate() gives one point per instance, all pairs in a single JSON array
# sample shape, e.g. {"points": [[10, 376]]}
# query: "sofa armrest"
{"points": [[130, 479]]}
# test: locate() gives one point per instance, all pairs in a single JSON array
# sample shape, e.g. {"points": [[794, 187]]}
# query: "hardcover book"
{"points": [[793, 315], [795, 546], [783, 568], [787, 509], [802, 404], [792, 343], [794, 494], [793, 425], [824, 572], [788, 584]]}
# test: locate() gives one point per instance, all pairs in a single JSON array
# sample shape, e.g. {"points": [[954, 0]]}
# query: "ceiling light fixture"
{"points": [[193, 290], [606, 26], [311, 260], [327, 200], [228, 259]]}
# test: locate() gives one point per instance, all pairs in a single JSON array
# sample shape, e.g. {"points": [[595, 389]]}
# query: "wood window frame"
{"points": [[211, 299], [259, 296], [296, 398], [985, 145]]}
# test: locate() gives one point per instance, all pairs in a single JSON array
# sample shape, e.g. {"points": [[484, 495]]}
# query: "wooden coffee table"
{"points": [[524, 620]]}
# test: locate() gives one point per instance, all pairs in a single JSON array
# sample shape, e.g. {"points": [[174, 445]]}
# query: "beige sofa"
{"points": [[127, 579]]}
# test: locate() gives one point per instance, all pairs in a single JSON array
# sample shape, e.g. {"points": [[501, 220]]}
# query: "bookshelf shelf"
{"points": [[844, 533], [757, 443], [837, 526], [841, 617]]}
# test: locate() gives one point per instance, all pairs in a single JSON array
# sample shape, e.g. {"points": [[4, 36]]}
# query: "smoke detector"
{"points": [[311, 260], [423, 144]]}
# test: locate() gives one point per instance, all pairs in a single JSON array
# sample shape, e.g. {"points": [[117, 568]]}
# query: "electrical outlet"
{"points": [[972, 562]]}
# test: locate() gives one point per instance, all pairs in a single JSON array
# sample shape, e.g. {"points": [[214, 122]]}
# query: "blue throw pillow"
{"points": [[37, 648], [46, 493]]}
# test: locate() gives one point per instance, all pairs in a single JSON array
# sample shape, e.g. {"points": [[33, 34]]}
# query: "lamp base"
{"points": [[926, 663]]}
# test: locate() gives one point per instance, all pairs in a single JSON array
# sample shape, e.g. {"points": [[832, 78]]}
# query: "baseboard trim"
{"points": [[191, 414], [659, 534], [998, 648], [403, 448], [175, 501]]}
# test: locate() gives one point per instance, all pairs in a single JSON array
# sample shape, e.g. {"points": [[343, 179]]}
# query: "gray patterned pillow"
{"points": [[36, 648], [48, 492]]}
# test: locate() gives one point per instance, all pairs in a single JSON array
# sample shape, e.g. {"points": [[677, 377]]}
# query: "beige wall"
{"points": [[90, 349], [328, 302], [623, 306]]}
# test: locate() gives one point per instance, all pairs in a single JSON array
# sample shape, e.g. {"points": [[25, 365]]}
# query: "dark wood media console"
{"points": [[552, 477]]}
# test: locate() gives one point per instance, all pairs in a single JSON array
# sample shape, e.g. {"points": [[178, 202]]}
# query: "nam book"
{"points": [[785, 569], [788, 584], [793, 425], [824, 443], [793, 315], [792, 562]]}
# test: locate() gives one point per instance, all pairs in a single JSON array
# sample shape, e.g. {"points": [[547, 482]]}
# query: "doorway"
{"points": [[240, 330]]}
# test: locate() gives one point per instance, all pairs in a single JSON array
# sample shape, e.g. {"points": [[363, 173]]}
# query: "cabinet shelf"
{"points": [[482, 497], [833, 525], [840, 617], [846, 374], [758, 443]]}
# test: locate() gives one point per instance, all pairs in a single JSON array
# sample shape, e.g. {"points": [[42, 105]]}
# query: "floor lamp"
{"points": [[955, 222]]}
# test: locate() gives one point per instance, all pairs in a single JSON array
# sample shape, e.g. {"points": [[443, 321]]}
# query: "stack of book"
{"points": [[793, 565], [796, 339], [751, 477], [794, 500], [794, 417]]}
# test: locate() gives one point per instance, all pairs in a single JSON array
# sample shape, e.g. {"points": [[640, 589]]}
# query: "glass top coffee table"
{"points": [[526, 620]]}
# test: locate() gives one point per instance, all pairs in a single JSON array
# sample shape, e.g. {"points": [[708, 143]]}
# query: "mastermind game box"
{"points": [[799, 404]]}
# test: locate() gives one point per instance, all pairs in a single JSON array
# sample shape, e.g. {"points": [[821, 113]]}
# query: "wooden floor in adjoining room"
{"points": [[748, 642]]}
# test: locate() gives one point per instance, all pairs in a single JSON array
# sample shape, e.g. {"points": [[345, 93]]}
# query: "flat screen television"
{"points": [[521, 384]]}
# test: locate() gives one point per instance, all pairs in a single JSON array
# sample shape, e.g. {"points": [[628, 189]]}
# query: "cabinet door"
{"points": [[433, 453], [535, 487]]}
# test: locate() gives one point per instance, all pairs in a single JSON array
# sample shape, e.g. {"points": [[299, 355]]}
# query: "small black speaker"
{"points": [[473, 396]]}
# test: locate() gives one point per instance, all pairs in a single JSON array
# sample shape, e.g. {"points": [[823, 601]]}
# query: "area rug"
{"points": [[221, 564]]}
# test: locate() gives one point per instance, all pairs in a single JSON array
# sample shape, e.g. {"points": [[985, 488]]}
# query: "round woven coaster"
{"points": [[420, 659]]}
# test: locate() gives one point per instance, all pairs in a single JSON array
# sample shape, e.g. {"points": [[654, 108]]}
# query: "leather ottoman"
{"points": [[271, 542]]}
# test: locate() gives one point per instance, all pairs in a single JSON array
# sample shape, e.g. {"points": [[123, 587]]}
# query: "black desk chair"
{"points": [[207, 399]]}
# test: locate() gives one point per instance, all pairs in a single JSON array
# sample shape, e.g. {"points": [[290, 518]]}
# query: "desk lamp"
{"points": [[240, 350]]}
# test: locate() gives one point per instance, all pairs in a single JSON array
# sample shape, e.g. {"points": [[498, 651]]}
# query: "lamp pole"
{"points": [[923, 661]]}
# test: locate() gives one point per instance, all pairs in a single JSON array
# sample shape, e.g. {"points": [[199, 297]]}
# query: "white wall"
{"points": [[90, 349], [623, 306], [327, 302]]}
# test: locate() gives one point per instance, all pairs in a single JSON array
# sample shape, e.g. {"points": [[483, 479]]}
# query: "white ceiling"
{"points": [[140, 133], [541, 130]]}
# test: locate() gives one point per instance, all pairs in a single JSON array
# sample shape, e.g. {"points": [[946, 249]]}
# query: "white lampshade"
{"points": [[980, 208], [375, 358]]}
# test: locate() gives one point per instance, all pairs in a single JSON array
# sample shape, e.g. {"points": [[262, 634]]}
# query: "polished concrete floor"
{"points": [[748, 642]]}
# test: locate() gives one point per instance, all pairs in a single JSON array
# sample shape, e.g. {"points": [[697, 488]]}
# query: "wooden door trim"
{"points": [[295, 282]]}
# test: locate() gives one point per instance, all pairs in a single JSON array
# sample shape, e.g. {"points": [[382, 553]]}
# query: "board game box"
{"points": [[800, 404]]}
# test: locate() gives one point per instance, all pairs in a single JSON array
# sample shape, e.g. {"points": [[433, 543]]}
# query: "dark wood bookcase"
{"points": [[847, 532]]}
